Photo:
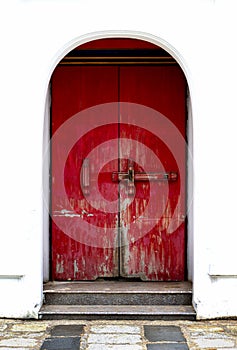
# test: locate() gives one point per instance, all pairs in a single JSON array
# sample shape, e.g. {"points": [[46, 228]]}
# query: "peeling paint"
{"points": [[59, 265], [66, 213], [84, 212], [71, 213], [75, 267]]}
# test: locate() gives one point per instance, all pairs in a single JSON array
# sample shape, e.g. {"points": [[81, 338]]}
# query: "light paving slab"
{"points": [[115, 347], [18, 342], [16, 348], [197, 327], [204, 343], [203, 334], [116, 329], [232, 329], [29, 327], [3, 327], [114, 339]]}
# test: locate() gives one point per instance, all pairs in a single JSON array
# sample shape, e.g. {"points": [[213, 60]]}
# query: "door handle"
{"points": [[131, 176], [169, 176]]}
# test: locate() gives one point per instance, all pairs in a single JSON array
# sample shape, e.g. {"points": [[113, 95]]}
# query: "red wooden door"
{"points": [[118, 172]]}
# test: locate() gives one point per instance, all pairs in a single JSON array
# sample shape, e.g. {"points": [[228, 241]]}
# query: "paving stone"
{"points": [[168, 346], [67, 330], [70, 343], [15, 348], [214, 343], [232, 329], [29, 327], [115, 347], [214, 336], [164, 333], [18, 335], [114, 339], [199, 332], [203, 328], [3, 327], [31, 335], [116, 329], [18, 342]]}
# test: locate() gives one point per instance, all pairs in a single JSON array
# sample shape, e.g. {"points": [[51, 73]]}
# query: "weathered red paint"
{"points": [[75, 89], [157, 255], [151, 254]]}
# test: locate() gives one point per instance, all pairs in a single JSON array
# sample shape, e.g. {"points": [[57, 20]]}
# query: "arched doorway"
{"points": [[118, 163]]}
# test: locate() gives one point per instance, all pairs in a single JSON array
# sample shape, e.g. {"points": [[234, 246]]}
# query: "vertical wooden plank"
{"points": [[79, 253], [149, 249]]}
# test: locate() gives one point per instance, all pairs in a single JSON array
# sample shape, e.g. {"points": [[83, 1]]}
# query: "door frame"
{"points": [[46, 142]]}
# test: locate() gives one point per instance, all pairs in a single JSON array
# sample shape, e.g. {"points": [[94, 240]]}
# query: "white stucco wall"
{"points": [[35, 35]]}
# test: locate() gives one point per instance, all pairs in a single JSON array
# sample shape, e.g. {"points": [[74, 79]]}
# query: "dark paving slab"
{"points": [[67, 331], [164, 333], [69, 343], [168, 346]]}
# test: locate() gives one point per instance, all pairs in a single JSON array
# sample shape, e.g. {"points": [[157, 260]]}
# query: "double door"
{"points": [[118, 172]]}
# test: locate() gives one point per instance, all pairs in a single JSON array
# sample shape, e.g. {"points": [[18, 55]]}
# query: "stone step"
{"points": [[117, 312], [118, 293]]}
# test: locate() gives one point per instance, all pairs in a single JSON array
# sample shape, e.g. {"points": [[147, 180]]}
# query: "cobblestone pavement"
{"points": [[118, 335]]}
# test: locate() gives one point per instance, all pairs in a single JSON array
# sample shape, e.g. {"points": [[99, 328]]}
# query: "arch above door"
{"points": [[146, 46]]}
